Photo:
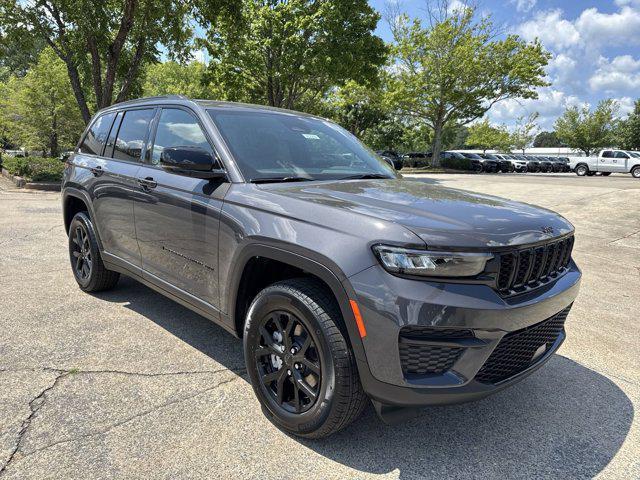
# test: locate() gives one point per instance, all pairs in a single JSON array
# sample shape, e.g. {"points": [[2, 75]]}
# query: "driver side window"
{"points": [[177, 128]]}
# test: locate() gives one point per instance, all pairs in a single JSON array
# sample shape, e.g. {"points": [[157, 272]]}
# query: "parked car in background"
{"points": [[607, 162], [392, 157], [533, 165], [475, 164], [347, 284], [519, 165], [415, 159], [546, 165], [489, 166], [504, 165]]}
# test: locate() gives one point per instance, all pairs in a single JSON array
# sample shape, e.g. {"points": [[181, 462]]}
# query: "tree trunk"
{"points": [[437, 143], [76, 86], [54, 148]]}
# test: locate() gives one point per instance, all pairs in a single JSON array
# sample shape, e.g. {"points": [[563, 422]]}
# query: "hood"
{"points": [[441, 217]]}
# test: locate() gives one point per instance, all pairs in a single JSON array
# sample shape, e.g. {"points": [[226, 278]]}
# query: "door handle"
{"points": [[97, 171], [147, 183]]}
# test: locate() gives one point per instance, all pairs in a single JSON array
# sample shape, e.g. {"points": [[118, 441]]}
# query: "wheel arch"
{"points": [[73, 201], [244, 265]]}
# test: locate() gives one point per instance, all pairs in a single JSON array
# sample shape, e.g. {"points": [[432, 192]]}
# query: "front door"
{"points": [[177, 217]]}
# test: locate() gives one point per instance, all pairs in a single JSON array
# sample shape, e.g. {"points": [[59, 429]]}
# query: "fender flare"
{"points": [[332, 276], [86, 199]]}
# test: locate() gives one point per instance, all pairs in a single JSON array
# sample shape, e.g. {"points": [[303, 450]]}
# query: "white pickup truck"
{"points": [[608, 162]]}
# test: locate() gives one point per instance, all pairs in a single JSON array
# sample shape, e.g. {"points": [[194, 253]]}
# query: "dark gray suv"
{"points": [[345, 281]]}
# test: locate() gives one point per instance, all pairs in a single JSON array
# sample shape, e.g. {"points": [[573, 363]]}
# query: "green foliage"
{"points": [[628, 130], [582, 129], [173, 78], [104, 44], [36, 169], [456, 163], [454, 70], [547, 139], [38, 111], [290, 53], [485, 136], [524, 132]]}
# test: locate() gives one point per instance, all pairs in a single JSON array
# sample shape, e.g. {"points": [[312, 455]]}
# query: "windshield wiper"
{"points": [[280, 179], [366, 176]]}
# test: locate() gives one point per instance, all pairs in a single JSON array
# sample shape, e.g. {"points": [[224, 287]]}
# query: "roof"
{"points": [[205, 103]]}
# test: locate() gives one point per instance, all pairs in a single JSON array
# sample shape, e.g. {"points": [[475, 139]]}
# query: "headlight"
{"points": [[433, 264]]}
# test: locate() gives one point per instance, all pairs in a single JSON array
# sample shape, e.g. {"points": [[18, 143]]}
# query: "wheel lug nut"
{"points": [[288, 372], [297, 365], [294, 350]]}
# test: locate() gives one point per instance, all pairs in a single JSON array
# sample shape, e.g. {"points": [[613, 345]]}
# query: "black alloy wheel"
{"points": [[81, 252], [288, 363]]}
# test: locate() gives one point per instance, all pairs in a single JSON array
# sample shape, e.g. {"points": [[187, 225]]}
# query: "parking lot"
{"points": [[128, 384]]}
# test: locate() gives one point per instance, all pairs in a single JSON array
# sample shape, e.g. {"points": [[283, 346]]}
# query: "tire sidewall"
{"points": [[581, 170], [635, 172], [272, 299]]}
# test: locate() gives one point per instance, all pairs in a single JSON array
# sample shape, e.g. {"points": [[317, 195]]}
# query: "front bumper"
{"points": [[389, 303]]}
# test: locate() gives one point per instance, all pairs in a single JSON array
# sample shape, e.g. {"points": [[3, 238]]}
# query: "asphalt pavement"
{"points": [[128, 384]]}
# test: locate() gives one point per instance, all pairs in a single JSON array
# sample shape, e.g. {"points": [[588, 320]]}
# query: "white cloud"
{"points": [[552, 30], [619, 28], [618, 76], [524, 5], [456, 6]]}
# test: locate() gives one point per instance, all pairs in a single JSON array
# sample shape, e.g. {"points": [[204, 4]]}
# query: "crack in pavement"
{"points": [[38, 402], [31, 234], [34, 405], [623, 237], [106, 430]]}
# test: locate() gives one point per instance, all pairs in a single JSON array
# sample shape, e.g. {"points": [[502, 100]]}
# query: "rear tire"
{"points": [[301, 366], [84, 253], [582, 170]]}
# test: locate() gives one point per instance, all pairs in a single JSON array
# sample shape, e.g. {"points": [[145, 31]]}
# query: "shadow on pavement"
{"points": [[565, 421]]}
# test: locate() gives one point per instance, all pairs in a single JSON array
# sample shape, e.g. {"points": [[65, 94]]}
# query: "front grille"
{"points": [[516, 350], [420, 358], [528, 268]]}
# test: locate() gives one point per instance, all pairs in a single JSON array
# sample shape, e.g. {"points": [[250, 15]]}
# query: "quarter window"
{"points": [[96, 137], [132, 135], [177, 128]]}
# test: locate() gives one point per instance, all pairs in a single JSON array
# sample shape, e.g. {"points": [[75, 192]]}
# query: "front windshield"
{"points": [[275, 145], [634, 154], [472, 155]]}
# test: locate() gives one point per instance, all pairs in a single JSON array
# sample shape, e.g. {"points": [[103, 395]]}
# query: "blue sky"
{"points": [[594, 46]]}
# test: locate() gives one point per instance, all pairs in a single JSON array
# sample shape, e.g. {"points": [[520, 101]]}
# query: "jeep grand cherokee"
{"points": [[346, 282]]}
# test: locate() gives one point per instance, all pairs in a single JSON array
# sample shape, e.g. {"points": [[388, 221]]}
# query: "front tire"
{"points": [[635, 172], [86, 262], [301, 366]]}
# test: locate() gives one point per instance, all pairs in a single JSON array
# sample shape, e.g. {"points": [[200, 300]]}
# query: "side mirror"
{"points": [[193, 162]]}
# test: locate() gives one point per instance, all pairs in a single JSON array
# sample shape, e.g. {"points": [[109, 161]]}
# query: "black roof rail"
{"points": [[157, 97]]}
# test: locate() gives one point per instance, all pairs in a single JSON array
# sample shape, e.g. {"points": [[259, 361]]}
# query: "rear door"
{"points": [[115, 186], [111, 194], [606, 162], [177, 217]]}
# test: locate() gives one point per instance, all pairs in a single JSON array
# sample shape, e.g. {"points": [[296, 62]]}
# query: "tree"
{"points": [[287, 52], [582, 129], [524, 132], [41, 108], [454, 69], [547, 139], [173, 78], [628, 131], [104, 44], [483, 135]]}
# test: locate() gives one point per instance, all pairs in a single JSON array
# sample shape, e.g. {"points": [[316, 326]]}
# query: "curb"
{"points": [[22, 182]]}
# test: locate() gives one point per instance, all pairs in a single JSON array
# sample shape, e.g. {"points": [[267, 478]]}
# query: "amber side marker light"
{"points": [[359, 322]]}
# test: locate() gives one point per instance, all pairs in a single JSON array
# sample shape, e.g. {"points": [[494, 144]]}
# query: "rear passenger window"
{"points": [[177, 128], [132, 134], [97, 135], [607, 154]]}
